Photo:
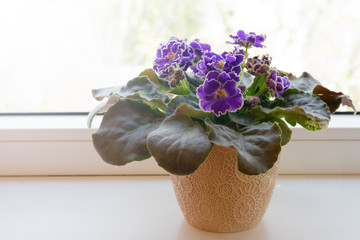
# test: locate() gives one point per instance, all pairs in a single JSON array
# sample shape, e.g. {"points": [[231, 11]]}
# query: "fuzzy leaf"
{"points": [[305, 83], [258, 86], [183, 89], [101, 108], [140, 88], [122, 135], [243, 119], [177, 101], [247, 79], [151, 75], [333, 99], [101, 93], [143, 89], [179, 145], [194, 113], [298, 107], [285, 130], [193, 79], [258, 146]]}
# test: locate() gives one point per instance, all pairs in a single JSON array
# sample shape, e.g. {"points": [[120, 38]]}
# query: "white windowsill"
{"points": [[79, 122], [111, 208], [61, 145]]}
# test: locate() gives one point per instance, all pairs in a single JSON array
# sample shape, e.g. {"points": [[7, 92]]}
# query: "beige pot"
{"points": [[219, 198]]}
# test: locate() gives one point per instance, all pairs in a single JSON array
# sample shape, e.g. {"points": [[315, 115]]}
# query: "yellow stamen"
{"points": [[220, 93], [220, 65], [171, 56]]}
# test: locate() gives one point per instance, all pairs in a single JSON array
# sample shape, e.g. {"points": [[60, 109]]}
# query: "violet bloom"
{"points": [[277, 85], [258, 66], [227, 62], [173, 56], [199, 48], [248, 40], [219, 94]]}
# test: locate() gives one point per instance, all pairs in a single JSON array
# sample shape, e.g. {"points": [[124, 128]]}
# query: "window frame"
{"points": [[61, 144]]}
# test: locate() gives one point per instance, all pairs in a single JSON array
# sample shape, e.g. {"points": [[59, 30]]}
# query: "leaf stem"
{"points": [[243, 64]]}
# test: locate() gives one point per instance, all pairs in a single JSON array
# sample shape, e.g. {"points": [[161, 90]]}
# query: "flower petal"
{"points": [[235, 102], [223, 77], [200, 92], [241, 34], [231, 88], [220, 107], [212, 75], [205, 105], [211, 86]]}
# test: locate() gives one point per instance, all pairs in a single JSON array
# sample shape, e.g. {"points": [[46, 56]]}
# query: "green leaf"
{"points": [[183, 89], [179, 145], [305, 83], [258, 146], [194, 113], [298, 107], [247, 79], [101, 108], [194, 81], [152, 76], [161, 84], [258, 86], [101, 93], [142, 88], [122, 135], [333, 99], [285, 130], [188, 105], [139, 88], [177, 101], [240, 118]]}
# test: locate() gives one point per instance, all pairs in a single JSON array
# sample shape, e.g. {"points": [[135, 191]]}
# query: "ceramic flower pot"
{"points": [[219, 198]]}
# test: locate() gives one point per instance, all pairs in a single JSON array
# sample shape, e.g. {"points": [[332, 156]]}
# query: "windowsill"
{"points": [[27, 122], [302, 207], [62, 145]]}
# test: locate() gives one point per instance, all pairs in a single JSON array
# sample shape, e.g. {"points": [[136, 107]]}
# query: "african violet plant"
{"points": [[195, 98]]}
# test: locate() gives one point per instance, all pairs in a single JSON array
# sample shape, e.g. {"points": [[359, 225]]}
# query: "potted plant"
{"points": [[215, 122]]}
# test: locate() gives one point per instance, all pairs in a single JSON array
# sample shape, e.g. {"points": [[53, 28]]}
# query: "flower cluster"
{"points": [[277, 84], [258, 66], [173, 56], [248, 40], [229, 62], [222, 90], [199, 48], [197, 98]]}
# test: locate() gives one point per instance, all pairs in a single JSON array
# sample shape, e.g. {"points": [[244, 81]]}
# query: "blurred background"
{"points": [[53, 52]]}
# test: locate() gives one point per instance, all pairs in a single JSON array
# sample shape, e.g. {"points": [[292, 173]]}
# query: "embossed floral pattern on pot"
{"points": [[222, 199]]}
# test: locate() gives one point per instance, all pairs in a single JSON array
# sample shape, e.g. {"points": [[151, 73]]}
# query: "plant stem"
{"points": [[243, 64]]}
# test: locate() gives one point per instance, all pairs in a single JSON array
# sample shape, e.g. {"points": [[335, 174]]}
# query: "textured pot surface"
{"points": [[219, 198]]}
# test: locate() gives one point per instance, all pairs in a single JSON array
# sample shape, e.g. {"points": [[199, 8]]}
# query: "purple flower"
{"points": [[219, 93], [248, 40], [233, 61], [277, 85], [258, 66], [199, 48], [227, 62], [174, 55]]}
